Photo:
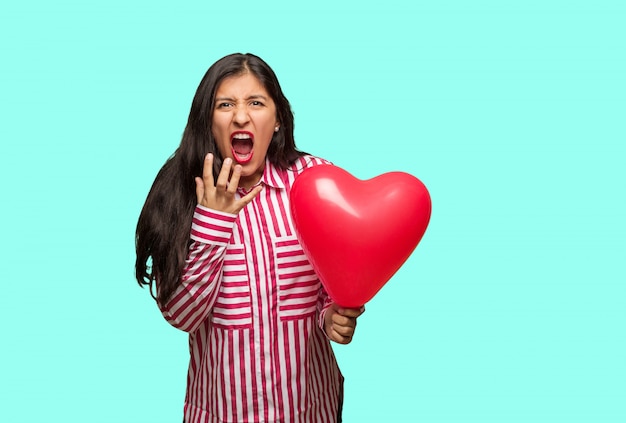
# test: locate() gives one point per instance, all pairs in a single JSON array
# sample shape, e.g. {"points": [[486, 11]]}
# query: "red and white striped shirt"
{"points": [[253, 307]]}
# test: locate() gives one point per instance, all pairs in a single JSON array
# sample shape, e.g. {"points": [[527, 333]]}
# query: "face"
{"points": [[244, 121]]}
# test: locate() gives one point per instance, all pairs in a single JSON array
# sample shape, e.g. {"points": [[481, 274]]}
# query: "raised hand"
{"points": [[220, 195]]}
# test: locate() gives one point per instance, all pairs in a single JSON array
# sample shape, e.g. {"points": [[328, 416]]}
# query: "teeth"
{"points": [[241, 136]]}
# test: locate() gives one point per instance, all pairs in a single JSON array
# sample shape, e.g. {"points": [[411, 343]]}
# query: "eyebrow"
{"points": [[252, 97]]}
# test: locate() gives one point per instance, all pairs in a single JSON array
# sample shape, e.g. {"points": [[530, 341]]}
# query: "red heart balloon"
{"points": [[357, 233]]}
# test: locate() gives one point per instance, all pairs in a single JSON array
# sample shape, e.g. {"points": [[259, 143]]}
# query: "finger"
{"points": [[207, 171], [338, 338], [340, 320], [222, 179], [199, 189], [233, 184], [345, 331]]}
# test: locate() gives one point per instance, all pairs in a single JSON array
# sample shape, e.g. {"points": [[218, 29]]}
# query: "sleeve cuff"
{"points": [[327, 303], [212, 226]]}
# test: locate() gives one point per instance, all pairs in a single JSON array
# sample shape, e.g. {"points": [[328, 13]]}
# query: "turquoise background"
{"points": [[512, 308]]}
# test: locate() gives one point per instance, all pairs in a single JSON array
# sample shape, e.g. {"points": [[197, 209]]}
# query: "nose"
{"points": [[241, 116]]}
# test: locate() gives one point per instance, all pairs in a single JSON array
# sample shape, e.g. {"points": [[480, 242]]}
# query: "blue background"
{"points": [[512, 308]]}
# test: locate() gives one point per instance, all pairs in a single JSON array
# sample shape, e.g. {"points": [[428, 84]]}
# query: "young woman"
{"points": [[216, 240]]}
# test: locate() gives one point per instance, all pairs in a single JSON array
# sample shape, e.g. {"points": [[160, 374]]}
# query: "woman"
{"points": [[216, 240]]}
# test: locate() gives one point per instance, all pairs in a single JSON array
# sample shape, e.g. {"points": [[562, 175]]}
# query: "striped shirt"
{"points": [[253, 307]]}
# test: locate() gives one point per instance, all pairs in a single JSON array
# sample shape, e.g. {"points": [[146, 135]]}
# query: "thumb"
{"points": [[351, 312], [250, 196]]}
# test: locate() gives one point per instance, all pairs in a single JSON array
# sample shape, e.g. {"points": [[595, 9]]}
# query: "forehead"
{"points": [[241, 86]]}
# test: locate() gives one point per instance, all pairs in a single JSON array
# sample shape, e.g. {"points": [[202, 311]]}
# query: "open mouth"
{"points": [[241, 143]]}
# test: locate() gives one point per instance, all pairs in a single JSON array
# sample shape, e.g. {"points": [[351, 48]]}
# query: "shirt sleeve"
{"points": [[192, 302], [323, 304]]}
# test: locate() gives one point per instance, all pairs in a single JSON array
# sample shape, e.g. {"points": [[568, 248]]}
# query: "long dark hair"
{"points": [[162, 236]]}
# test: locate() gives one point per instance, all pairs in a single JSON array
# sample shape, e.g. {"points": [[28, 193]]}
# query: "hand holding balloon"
{"points": [[340, 323]]}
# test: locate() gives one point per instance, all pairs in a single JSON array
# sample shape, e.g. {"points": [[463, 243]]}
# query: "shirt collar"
{"points": [[272, 176]]}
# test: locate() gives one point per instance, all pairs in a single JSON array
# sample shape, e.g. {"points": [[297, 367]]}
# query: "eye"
{"points": [[223, 105], [256, 103]]}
